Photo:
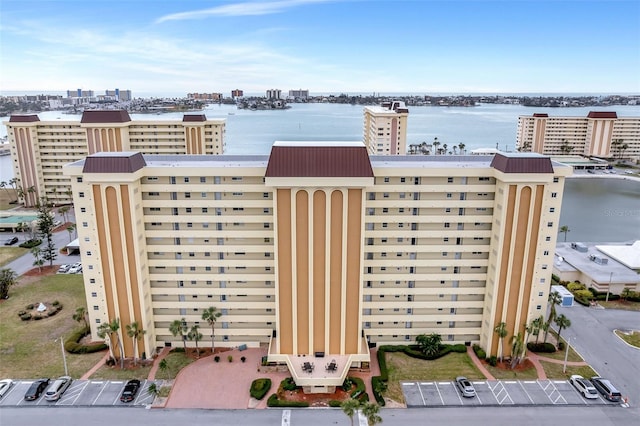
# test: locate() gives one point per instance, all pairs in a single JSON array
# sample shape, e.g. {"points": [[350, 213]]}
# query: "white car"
{"points": [[5, 385], [58, 387], [75, 269], [63, 269], [583, 386]]}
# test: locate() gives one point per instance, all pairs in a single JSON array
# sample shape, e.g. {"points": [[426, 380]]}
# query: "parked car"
{"points": [[76, 268], [607, 390], [56, 223], [11, 241], [583, 386], [5, 385], [63, 269], [58, 387], [130, 390], [466, 387], [36, 389], [628, 172]]}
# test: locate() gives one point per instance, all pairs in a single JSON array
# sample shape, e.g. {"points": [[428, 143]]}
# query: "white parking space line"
{"points": [[501, 395], [553, 393], [286, 417], [421, 395], [99, 393], [525, 391], [439, 394], [141, 393], [72, 394]]}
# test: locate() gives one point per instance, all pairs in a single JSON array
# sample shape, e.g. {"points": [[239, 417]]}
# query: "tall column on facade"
{"points": [[319, 219], [526, 211], [23, 138], [107, 131], [194, 133], [107, 197]]}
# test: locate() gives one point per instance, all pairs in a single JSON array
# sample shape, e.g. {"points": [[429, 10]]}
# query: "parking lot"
{"points": [[496, 392], [81, 393]]}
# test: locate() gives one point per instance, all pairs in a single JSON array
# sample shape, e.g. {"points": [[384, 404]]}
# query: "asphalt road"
{"points": [[460, 416], [592, 335]]}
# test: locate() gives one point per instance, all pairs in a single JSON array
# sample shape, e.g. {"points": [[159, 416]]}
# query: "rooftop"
{"points": [[568, 259]]}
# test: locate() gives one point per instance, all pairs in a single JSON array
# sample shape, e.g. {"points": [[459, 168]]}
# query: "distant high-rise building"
{"points": [[301, 94], [385, 128], [599, 134], [205, 96], [41, 148], [119, 95], [79, 93], [237, 93], [274, 94]]}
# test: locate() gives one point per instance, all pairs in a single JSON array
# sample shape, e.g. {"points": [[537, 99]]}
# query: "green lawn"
{"points": [[554, 371], [111, 373], [7, 254], [28, 348], [632, 338], [403, 367], [620, 304], [176, 361]]}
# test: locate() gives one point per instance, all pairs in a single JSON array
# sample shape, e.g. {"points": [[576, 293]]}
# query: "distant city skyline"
{"points": [[324, 46]]}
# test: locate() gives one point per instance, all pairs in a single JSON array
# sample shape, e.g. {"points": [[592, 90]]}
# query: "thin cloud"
{"points": [[239, 9]]}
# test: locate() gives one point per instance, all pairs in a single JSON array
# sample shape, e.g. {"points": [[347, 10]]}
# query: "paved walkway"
{"points": [[479, 364]]}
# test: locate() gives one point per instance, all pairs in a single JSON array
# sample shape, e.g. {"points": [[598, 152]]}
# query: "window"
{"points": [[547, 239], [186, 180], [94, 294], [81, 194], [188, 209], [447, 224], [203, 179], [540, 293], [187, 195], [552, 209], [556, 180], [546, 253], [205, 210], [450, 180], [539, 307], [386, 180], [97, 320], [96, 308], [154, 194], [549, 224], [83, 209], [92, 280], [449, 195], [554, 195], [79, 180], [88, 253]]}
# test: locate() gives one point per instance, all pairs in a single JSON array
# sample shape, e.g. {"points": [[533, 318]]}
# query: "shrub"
{"points": [[55, 303], [230, 358], [360, 387], [25, 317], [243, 358], [583, 294], [492, 360], [555, 278], [29, 307], [375, 380], [561, 346], [21, 313], [335, 404], [72, 346], [480, 353], [273, 401], [575, 286], [216, 358], [37, 317], [260, 387], [541, 347], [346, 385], [31, 243], [289, 384]]}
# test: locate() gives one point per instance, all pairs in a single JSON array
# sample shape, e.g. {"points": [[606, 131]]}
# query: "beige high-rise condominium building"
{"points": [[385, 128], [317, 250], [39, 149], [599, 134]]}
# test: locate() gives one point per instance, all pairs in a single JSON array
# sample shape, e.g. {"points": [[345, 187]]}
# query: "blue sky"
{"points": [[455, 46]]}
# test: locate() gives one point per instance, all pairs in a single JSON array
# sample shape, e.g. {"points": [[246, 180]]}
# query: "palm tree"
{"points": [[3, 185], [537, 323], [81, 316], [195, 335], [350, 407], [135, 332], [429, 344], [71, 229], [179, 328], [461, 147], [37, 257], [444, 147], [435, 144], [114, 327], [562, 322], [554, 299], [501, 331], [517, 345], [211, 315], [8, 278], [564, 229], [370, 411], [626, 293], [104, 332], [64, 210], [13, 182]]}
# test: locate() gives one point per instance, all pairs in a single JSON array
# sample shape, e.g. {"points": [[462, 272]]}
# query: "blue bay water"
{"points": [[594, 209]]}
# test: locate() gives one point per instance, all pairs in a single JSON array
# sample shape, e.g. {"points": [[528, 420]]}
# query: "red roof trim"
{"points": [[117, 162], [319, 161], [602, 114], [24, 118], [522, 164], [105, 116], [540, 114], [194, 117]]}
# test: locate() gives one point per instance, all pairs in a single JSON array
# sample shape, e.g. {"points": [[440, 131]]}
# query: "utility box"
{"points": [[566, 295]]}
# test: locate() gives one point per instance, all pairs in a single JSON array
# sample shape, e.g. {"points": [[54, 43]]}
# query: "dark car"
{"points": [[36, 389], [607, 390], [11, 241], [130, 390]]}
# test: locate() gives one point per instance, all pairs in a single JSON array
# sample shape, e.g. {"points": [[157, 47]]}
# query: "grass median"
{"points": [[8, 254]]}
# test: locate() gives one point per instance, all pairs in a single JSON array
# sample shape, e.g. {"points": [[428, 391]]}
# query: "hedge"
{"points": [[260, 387], [541, 347], [31, 243], [480, 353], [360, 387], [72, 346], [273, 401]]}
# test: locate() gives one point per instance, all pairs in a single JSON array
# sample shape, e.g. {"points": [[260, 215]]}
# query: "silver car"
{"points": [[466, 387], [5, 385], [583, 386], [58, 387]]}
